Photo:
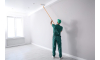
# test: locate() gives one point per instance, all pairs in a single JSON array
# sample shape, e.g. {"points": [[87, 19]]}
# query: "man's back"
{"points": [[57, 29]]}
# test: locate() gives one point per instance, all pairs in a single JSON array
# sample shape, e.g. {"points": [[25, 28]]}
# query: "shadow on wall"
{"points": [[72, 31]]}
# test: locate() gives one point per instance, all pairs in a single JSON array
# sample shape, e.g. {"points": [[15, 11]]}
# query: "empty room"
{"points": [[50, 30]]}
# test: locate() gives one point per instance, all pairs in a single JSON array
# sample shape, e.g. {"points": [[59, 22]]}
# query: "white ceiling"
{"points": [[24, 6]]}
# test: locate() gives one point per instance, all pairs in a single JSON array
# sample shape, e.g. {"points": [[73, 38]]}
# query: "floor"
{"points": [[30, 52]]}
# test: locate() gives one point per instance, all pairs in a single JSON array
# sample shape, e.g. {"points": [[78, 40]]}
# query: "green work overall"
{"points": [[57, 39]]}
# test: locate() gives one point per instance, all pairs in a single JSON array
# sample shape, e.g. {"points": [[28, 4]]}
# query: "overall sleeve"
{"points": [[53, 25], [62, 28]]}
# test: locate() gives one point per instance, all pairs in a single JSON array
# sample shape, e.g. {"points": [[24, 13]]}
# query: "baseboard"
{"points": [[16, 45], [65, 54]]}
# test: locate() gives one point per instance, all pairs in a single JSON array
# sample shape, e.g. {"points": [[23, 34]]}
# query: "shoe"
{"points": [[53, 56]]}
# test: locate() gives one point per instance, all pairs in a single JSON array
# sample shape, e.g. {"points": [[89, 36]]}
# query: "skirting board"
{"points": [[65, 54], [17, 45]]}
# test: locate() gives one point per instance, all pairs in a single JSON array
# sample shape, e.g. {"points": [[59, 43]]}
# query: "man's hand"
{"points": [[51, 22]]}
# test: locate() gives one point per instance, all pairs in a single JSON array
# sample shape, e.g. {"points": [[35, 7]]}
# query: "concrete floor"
{"points": [[30, 52]]}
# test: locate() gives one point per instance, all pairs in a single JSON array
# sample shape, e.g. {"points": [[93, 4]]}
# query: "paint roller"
{"points": [[46, 12]]}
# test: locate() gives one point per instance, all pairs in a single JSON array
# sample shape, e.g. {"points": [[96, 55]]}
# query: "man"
{"points": [[57, 29]]}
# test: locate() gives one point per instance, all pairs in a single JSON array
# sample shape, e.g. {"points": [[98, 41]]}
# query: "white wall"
{"points": [[22, 40], [78, 21], [27, 32]]}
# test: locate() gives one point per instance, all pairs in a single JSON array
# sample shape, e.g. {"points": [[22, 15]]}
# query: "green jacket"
{"points": [[57, 29]]}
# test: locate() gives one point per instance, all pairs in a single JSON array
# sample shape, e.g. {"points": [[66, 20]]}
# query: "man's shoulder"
{"points": [[53, 25], [61, 26]]}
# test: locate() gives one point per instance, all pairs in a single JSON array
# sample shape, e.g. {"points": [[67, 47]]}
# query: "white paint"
{"points": [[15, 14], [49, 3], [24, 6], [34, 11], [27, 32], [68, 55]]}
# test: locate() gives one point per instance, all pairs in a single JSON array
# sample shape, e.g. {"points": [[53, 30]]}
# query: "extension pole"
{"points": [[47, 13]]}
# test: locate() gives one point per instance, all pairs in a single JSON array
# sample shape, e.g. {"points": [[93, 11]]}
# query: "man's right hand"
{"points": [[51, 20]]}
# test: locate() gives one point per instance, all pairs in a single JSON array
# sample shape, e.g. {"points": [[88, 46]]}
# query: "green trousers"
{"points": [[57, 39]]}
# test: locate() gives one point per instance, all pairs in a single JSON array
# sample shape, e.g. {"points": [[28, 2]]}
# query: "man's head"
{"points": [[58, 21]]}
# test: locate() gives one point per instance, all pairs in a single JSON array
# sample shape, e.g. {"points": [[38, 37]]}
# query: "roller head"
{"points": [[42, 4]]}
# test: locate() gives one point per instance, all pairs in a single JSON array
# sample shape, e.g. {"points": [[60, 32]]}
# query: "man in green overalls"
{"points": [[57, 29]]}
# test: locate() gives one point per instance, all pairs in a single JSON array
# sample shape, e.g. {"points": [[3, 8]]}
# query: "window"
{"points": [[15, 27], [11, 31]]}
